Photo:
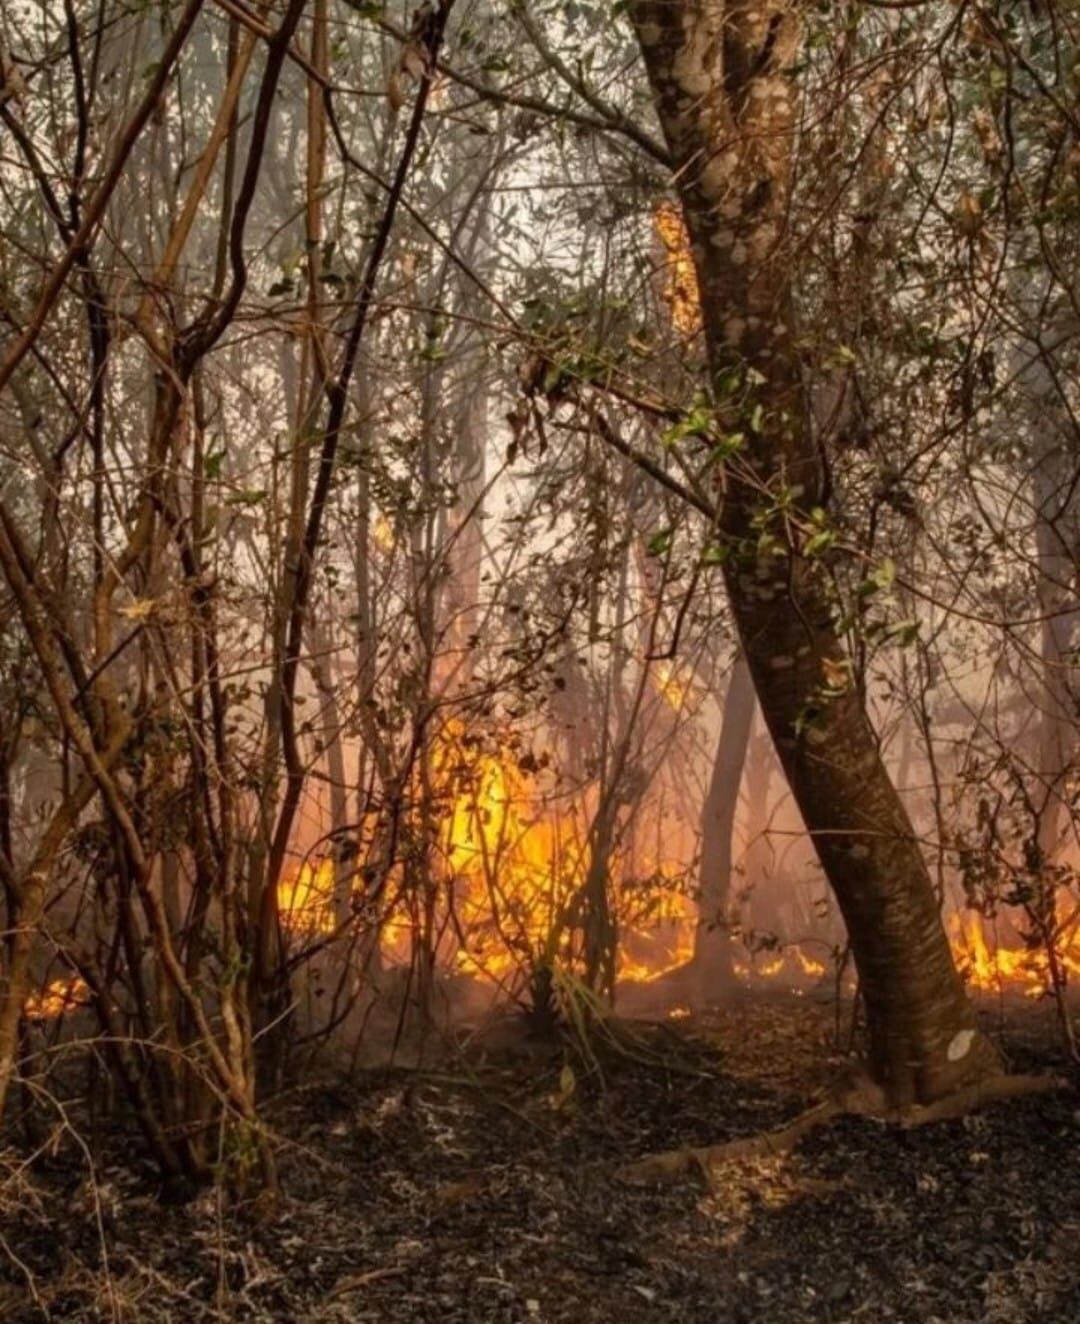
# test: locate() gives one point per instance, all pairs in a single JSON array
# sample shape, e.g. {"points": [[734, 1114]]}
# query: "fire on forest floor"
{"points": [[656, 960], [511, 857], [509, 862]]}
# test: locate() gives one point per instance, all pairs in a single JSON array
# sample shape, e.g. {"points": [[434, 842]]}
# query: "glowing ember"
{"points": [[55, 999], [811, 968]]}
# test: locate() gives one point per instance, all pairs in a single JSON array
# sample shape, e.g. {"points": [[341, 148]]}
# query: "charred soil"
{"points": [[487, 1188]]}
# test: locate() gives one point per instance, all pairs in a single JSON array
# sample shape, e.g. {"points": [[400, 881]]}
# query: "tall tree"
{"points": [[724, 79]]}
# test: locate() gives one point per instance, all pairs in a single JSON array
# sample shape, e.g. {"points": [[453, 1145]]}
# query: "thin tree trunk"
{"points": [[28, 908], [1055, 537], [712, 940]]}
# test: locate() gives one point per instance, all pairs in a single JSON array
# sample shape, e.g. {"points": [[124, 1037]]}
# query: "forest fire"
{"points": [[541, 657], [306, 901], [512, 856], [994, 967], [502, 927]]}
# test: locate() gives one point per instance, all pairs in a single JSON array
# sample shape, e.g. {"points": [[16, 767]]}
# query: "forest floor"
{"points": [[488, 1190]]}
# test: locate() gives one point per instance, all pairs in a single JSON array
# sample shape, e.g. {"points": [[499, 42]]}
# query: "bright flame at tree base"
{"points": [[509, 859]]}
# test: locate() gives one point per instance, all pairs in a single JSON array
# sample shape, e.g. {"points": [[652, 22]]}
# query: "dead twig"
{"points": [[354, 1281]]}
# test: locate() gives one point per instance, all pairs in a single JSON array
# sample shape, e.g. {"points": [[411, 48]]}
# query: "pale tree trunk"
{"points": [[723, 83], [712, 962], [1054, 480], [1052, 456], [471, 405], [759, 860], [598, 926], [1057, 540], [1050, 450]]}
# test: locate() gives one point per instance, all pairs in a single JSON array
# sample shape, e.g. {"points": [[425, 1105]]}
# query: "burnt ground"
{"points": [[487, 1190]]}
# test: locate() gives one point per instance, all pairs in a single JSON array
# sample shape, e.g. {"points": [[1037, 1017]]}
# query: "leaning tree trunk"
{"points": [[723, 82], [712, 963]]}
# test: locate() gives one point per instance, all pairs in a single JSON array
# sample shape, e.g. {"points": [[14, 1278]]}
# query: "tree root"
{"points": [[861, 1098], [983, 1092]]}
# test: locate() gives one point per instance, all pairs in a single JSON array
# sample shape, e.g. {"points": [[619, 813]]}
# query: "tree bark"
{"points": [[724, 87]]}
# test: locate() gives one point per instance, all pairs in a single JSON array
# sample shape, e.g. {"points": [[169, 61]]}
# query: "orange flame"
{"points": [[681, 292], [787, 967], [508, 865], [674, 685], [55, 999], [810, 967], [511, 866], [306, 901], [992, 967]]}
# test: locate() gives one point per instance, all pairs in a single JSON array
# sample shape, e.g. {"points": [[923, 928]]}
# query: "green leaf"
{"points": [[727, 446], [553, 375], [841, 356], [818, 542], [729, 381], [880, 578], [884, 575], [660, 543], [250, 496], [695, 424], [903, 632]]}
